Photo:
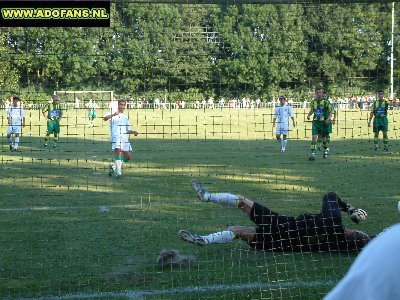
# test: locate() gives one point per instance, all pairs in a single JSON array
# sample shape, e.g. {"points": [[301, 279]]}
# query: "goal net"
{"points": [[202, 82]]}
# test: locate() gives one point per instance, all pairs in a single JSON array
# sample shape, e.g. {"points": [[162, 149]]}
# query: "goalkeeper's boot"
{"points": [[376, 147], [312, 157], [191, 238], [45, 145], [55, 145], [325, 155], [201, 192], [386, 149], [357, 215]]}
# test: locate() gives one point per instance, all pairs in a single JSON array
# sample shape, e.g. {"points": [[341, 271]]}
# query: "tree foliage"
{"points": [[210, 50]]}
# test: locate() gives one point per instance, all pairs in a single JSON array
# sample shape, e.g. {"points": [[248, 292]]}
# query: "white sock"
{"points": [[118, 164], [284, 143], [222, 237], [225, 199], [16, 142]]}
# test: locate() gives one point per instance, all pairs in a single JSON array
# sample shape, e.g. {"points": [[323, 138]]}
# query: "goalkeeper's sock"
{"points": [[222, 237], [376, 142], [225, 199], [325, 145]]}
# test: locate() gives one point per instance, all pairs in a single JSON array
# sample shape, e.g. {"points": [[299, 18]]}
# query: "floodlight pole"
{"points": [[392, 55]]}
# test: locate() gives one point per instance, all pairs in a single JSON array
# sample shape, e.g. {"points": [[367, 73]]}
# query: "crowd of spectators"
{"points": [[341, 103]]}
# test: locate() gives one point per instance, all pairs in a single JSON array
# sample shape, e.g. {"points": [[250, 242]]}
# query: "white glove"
{"points": [[358, 215]]}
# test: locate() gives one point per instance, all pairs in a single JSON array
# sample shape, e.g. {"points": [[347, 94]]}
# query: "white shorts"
{"points": [[121, 144], [282, 130], [14, 129]]}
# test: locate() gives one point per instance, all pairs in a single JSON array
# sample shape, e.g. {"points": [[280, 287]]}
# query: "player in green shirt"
{"points": [[379, 111], [322, 111], [333, 122], [53, 114], [92, 106]]}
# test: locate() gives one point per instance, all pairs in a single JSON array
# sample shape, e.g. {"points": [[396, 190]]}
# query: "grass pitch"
{"points": [[70, 231]]}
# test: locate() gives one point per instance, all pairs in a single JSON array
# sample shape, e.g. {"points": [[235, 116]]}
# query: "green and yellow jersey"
{"points": [[54, 111], [321, 109], [380, 108]]}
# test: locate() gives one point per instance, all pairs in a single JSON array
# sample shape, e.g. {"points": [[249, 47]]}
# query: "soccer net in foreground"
{"points": [[68, 230]]}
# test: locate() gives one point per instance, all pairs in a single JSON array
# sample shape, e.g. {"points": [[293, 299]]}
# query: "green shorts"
{"points": [[53, 127], [380, 124], [92, 115], [320, 127]]}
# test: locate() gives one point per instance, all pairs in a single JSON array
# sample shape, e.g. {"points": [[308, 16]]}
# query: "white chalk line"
{"points": [[192, 289], [55, 208]]}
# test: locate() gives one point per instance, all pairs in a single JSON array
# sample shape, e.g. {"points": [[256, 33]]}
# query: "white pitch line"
{"points": [[192, 289], [52, 208]]}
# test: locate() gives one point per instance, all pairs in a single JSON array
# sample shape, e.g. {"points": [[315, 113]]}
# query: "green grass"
{"points": [[55, 241]]}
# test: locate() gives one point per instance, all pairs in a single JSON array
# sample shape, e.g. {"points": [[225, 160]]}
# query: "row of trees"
{"points": [[196, 51]]}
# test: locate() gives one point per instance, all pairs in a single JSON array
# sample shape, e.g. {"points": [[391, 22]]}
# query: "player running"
{"points": [[323, 232], [120, 130]]}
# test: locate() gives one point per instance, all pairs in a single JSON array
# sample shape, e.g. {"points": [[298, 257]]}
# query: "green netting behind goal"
{"points": [[201, 83]]}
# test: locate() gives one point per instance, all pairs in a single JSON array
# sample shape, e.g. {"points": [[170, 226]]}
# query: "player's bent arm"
{"points": [[109, 116], [134, 132]]}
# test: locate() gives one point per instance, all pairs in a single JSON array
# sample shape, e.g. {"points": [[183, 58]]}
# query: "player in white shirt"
{"points": [[120, 130], [16, 120], [113, 106], [375, 272], [282, 113]]}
